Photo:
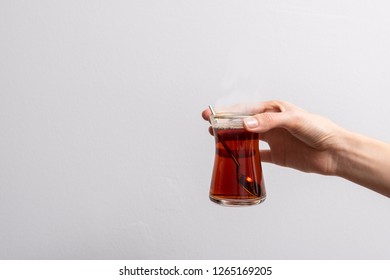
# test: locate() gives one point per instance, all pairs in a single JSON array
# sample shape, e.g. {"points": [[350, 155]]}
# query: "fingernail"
{"points": [[251, 122]]}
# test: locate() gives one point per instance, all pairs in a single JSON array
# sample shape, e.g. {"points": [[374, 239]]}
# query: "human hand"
{"points": [[296, 138]]}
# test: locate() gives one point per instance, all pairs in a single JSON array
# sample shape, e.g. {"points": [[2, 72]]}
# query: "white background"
{"points": [[103, 152]]}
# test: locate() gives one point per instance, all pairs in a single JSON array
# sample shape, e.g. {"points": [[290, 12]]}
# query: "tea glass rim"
{"points": [[232, 115]]}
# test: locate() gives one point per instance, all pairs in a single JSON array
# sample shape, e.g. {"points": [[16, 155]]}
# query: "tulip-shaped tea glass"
{"points": [[237, 178]]}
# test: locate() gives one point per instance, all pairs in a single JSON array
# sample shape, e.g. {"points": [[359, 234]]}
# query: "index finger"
{"points": [[269, 106]]}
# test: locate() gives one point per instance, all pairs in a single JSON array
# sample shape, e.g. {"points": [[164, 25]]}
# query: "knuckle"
{"points": [[266, 120]]}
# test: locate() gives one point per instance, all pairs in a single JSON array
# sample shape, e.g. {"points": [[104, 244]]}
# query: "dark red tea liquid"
{"points": [[231, 177]]}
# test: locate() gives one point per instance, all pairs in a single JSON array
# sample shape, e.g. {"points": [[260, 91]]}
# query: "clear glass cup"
{"points": [[237, 178]]}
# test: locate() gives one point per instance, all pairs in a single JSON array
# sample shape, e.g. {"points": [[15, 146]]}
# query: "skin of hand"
{"points": [[311, 143]]}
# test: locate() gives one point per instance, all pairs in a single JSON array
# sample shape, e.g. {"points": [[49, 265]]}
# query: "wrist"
{"points": [[364, 161], [346, 152]]}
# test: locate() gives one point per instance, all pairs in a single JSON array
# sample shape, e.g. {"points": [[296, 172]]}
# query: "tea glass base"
{"points": [[236, 202]]}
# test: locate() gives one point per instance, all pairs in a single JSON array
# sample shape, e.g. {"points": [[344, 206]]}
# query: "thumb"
{"points": [[267, 121]]}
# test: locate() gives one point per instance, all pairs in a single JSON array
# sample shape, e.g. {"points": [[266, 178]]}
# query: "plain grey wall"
{"points": [[104, 155]]}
